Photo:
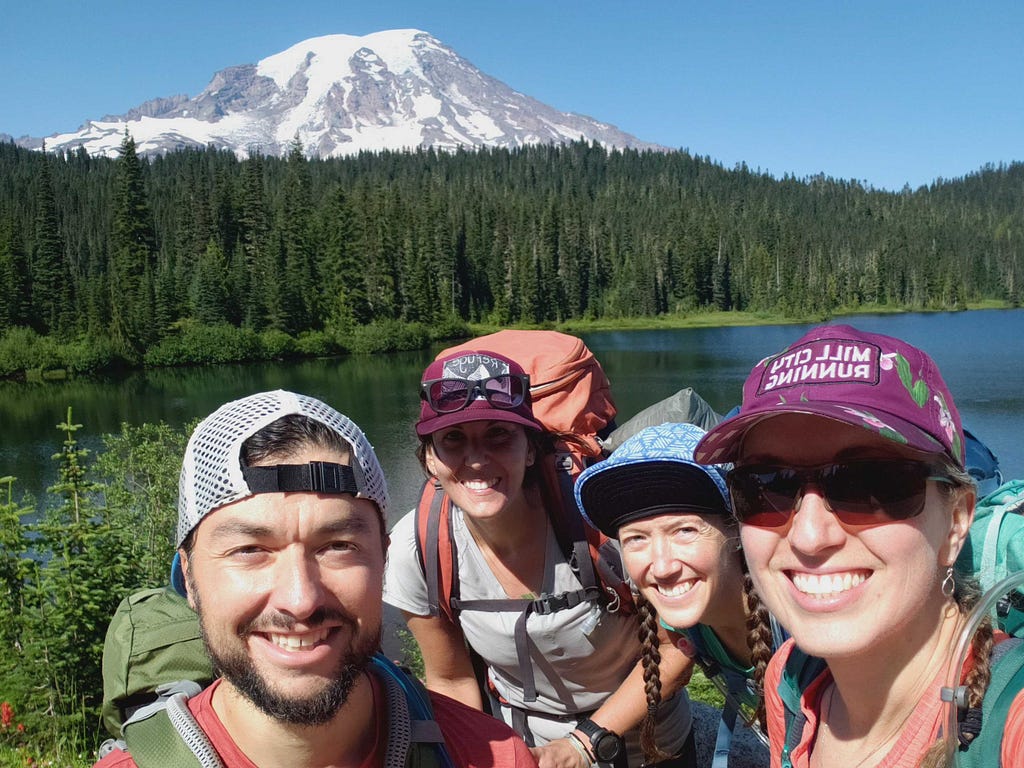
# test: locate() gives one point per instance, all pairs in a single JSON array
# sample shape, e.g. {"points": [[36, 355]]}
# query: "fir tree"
{"points": [[51, 279], [132, 257]]}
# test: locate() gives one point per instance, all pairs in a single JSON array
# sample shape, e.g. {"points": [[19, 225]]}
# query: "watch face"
{"points": [[607, 747]]}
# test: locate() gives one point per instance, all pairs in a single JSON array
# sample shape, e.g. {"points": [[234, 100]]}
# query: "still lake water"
{"points": [[980, 353]]}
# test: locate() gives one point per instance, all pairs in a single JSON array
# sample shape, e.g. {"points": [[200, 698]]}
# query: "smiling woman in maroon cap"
{"points": [[562, 670], [853, 503]]}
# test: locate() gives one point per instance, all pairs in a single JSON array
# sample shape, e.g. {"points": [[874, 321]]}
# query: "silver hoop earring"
{"points": [[948, 584]]}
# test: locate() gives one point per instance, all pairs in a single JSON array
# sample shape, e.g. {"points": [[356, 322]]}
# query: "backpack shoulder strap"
{"points": [[1006, 682], [1010, 500], [581, 543], [800, 671], [435, 545], [414, 737], [169, 735]]}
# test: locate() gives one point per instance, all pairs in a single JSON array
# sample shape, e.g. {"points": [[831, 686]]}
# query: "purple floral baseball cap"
{"points": [[839, 372], [474, 386]]}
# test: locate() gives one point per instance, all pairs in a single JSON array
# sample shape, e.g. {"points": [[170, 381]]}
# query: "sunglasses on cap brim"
{"points": [[505, 391]]}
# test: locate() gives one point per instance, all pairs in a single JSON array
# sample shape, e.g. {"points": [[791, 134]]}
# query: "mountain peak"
{"points": [[341, 94]]}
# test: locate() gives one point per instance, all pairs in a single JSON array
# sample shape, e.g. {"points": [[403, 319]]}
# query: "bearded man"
{"points": [[281, 546]]}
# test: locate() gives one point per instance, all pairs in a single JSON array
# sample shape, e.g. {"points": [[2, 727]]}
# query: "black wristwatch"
{"points": [[606, 745]]}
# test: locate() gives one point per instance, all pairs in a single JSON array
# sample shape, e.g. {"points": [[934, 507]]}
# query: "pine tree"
{"points": [[250, 273], [14, 278], [81, 575], [297, 291], [208, 295], [132, 257], [51, 279]]}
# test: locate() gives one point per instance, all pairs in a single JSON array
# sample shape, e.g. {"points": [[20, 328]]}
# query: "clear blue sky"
{"points": [[887, 92]]}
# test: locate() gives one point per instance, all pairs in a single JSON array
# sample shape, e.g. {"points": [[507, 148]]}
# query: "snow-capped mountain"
{"points": [[341, 94]]}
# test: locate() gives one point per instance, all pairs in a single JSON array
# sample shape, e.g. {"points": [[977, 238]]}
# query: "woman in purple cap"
{"points": [[853, 503], [560, 669]]}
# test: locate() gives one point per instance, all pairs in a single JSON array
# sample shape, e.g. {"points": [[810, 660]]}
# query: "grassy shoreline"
{"points": [[732, 318], [27, 356]]}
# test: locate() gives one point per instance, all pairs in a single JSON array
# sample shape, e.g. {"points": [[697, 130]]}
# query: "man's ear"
{"points": [[184, 562]]}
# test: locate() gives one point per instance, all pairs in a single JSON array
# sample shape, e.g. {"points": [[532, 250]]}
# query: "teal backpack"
{"points": [[993, 552], [154, 661]]}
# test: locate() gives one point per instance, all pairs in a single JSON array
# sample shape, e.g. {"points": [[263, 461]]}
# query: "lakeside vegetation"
{"points": [[198, 257]]}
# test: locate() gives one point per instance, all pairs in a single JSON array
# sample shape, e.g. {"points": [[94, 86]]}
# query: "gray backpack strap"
{"points": [[193, 736], [165, 733], [403, 731]]}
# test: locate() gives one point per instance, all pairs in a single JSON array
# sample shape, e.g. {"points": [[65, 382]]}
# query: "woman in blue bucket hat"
{"points": [[680, 546]]}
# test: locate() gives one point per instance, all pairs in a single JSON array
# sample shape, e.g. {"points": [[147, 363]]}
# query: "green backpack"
{"points": [[995, 549], [154, 661], [153, 639]]}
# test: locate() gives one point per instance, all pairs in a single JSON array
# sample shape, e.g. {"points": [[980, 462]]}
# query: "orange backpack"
{"points": [[571, 397]]}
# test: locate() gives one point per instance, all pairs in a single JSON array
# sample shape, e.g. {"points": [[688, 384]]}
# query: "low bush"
{"points": [[389, 336], [205, 344], [22, 349], [276, 344], [317, 344]]}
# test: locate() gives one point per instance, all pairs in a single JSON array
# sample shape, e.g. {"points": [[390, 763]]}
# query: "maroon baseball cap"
{"points": [[866, 379], [501, 382]]}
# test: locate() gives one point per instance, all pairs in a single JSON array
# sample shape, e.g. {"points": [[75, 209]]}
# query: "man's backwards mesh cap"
{"points": [[212, 474], [651, 473], [865, 379], [473, 366]]}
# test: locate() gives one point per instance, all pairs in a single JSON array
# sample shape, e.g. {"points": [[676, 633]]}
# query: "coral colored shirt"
{"points": [[917, 737], [474, 740]]}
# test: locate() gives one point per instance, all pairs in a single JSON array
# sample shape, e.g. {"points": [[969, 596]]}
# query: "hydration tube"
{"points": [[419, 706], [953, 693]]}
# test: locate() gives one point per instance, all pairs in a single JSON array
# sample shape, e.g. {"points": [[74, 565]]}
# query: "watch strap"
{"points": [[588, 728]]}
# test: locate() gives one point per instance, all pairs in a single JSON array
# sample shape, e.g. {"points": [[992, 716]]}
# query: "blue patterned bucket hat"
{"points": [[651, 473]]}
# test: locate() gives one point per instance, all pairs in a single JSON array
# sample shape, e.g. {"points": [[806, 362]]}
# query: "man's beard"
{"points": [[237, 668]]}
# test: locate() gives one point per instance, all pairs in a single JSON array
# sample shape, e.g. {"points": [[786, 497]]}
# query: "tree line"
{"points": [[131, 254]]}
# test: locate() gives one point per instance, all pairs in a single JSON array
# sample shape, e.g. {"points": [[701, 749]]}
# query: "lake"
{"points": [[980, 353]]}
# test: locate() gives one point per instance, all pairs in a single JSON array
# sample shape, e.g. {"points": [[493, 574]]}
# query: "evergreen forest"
{"points": [[178, 258]]}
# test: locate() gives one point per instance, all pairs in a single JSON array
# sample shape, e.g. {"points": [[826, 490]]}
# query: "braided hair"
{"points": [[759, 640], [651, 659]]}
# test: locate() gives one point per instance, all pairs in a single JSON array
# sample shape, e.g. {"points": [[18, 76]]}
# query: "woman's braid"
{"points": [[651, 659], [759, 640]]}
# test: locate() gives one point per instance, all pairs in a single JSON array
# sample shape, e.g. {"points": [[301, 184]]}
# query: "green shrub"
{"points": [[205, 344], [317, 344], [703, 690], [22, 349], [276, 344], [451, 327], [389, 336], [89, 355]]}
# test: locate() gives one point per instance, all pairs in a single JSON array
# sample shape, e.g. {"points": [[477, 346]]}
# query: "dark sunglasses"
{"points": [[859, 493], [505, 392]]}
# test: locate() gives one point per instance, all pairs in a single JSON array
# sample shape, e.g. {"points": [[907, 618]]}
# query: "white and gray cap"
{"points": [[212, 474]]}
